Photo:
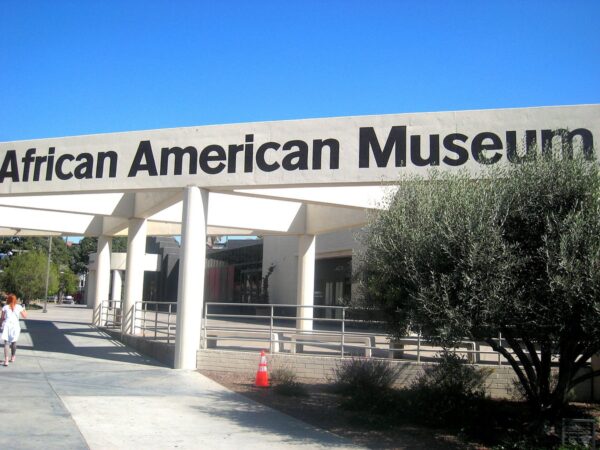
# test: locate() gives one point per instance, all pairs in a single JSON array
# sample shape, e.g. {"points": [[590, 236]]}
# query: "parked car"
{"points": [[68, 300]]}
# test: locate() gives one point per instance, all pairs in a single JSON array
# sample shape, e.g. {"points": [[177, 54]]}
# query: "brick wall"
{"points": [[318, 369]]}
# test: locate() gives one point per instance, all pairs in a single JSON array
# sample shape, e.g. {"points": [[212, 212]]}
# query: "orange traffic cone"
{"points": [[262, 376]]}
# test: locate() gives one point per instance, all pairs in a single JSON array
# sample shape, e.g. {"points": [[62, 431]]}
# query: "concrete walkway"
{"points": [[72, 387]]}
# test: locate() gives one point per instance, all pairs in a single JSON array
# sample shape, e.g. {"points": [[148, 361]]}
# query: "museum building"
{"points": [[304, 186]]}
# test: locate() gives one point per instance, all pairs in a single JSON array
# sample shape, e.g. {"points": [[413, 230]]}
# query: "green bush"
{"points": [[366, 384], [285, 382], [450, 393], [365, 374]]}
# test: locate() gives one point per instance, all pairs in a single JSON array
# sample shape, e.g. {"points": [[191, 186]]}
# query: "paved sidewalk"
{"points": [[72, 387]]}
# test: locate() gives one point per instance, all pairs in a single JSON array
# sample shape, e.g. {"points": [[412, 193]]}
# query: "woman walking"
{"points": [[11, 328]]}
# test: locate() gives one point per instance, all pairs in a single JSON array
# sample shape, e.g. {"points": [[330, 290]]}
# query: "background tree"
{"points": [[87, 245], [25, 275], [515, 253], [68, 282], [81, 255], [62, 254]]}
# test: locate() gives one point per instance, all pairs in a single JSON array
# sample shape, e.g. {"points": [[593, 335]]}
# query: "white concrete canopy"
{"points": [[302, 178], [229, 213], [260, 176]]}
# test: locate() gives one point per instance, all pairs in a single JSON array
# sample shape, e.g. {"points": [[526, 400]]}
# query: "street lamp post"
{"points": [[48, 273]]}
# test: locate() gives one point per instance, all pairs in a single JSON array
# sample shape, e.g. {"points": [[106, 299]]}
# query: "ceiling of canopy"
{"points": [[306, 210]]}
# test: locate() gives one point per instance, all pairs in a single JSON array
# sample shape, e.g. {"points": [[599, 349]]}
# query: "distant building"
{"points": [[236, 270]]}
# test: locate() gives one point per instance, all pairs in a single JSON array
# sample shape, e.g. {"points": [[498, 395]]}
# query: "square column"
{"points": [[306, 282], [102, 271], [90, 290], [192, 262], [134, 274]]}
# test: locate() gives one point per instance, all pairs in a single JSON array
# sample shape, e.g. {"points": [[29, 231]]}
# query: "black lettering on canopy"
{"points": [[60, 173], [27, 160], [566, 141], [484, 142], [461, 152], [9, 169], [50, 165], [86, 168], [178, 153], [434, 151], [249, 153], [112, 168], [368, 140], [530, 147], [210, 154], [261, 162], [232, 152], [37, 168], [334, 153], [297, 160], [143, 160]]}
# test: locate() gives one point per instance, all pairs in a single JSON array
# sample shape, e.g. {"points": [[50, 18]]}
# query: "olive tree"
{"points": [[514, 252]]}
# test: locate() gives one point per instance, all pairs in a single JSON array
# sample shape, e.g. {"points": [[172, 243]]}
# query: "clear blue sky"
{"points": [[82, 67]]}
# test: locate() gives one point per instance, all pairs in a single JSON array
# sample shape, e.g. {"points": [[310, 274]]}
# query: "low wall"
{"points": [[163, 352], [318, 369]]}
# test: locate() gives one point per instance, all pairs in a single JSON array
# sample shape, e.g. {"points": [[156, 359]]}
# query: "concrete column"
{"points": [[306, 281], [134, 275], [102, 271], [117, 282], [190, 293], [90, 288]]}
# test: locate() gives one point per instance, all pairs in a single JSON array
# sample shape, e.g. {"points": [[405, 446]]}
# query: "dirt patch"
{"points": [[321, 409]]}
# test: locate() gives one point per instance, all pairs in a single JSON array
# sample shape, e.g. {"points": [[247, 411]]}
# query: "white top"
{"points": [[12, 328]]}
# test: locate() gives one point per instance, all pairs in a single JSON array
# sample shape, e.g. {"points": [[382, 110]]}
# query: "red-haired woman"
{"points": [[11, 328]]}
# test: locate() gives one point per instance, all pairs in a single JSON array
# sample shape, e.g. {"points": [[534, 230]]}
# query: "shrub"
{"points": [[366, 384], [451, 392], [365, 374], [285, 382]]}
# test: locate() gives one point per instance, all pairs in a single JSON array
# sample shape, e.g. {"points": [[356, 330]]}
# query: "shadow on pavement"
{"points": [[263, 420], [75, 338]]}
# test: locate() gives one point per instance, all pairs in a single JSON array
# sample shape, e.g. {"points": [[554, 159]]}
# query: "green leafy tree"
{"points": [[6, 245], [67, 282], [81, 254], [516, 253], [87, 245], [25, 275], [62, 254]]}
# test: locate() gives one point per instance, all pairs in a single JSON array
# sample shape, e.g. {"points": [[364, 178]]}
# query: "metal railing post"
{"points": [[204, 334], [123, 320], [169, 324], [419, 347], [99, 319], [134, 317], [155, 321], [499, 346], [271, 332], [343, 328]]}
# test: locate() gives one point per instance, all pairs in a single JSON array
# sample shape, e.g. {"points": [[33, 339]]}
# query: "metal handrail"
{"points": [[141, 316], [155, 324], [157, 327], [420, 346], [274, 330], [110, 315]]}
